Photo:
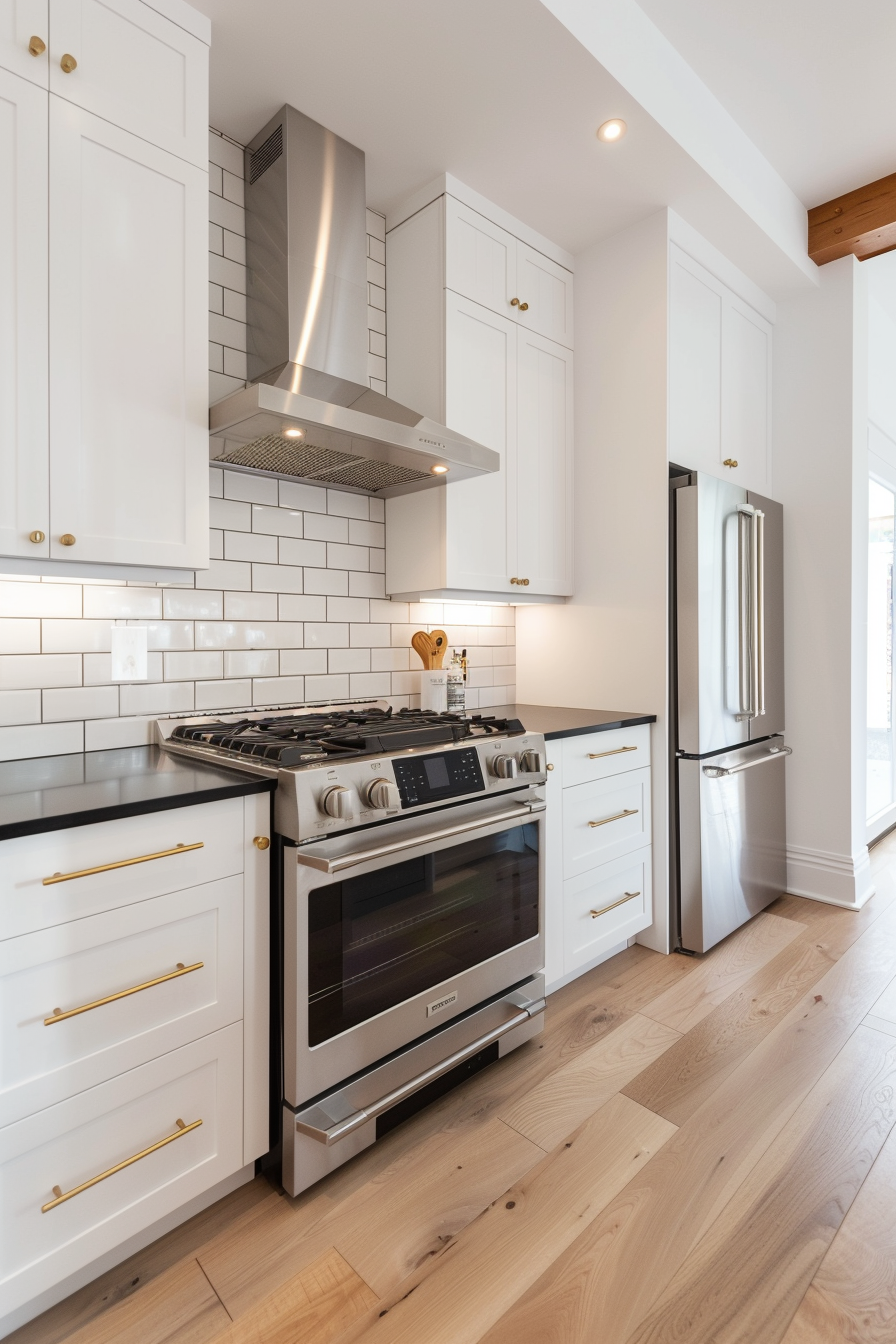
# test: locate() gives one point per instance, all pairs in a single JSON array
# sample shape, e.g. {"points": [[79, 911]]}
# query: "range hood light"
{"points": [[439, 469], [293, 432]]}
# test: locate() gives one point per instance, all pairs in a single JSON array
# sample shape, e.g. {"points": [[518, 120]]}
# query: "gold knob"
{"points": [[68, 63], [730, 462], [37, 537], [514, 303], [67, 539], [523, 307], [550, 767], [261, 842], [37, 46], [523, 583]]}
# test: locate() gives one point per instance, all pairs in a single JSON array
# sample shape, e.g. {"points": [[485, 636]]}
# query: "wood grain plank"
{"points": [[177, 1307], [481, 1272], [606, 1284], [386, 1227], [745, 1279], [683, 1078], [883, 1013], [564, 1100], [852, 1299], [861, 222], [722, 972], [315, 1306]]}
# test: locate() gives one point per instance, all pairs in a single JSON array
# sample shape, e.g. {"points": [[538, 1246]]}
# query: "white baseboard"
{"points": [[87, 1273], [844, 880]]}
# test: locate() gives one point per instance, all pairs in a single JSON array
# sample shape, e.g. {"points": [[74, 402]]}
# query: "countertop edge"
{"points": [[600, 727]]}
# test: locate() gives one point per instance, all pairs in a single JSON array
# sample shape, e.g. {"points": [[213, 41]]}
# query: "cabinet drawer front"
{"points": [[604, 820], [26, 903], [480, 258], [135, 69], [70, 1144], [605, 906], [181, 955], [597, 755]]}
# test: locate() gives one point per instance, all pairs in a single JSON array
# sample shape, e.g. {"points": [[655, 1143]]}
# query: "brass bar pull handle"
{"points": [[60, 1198], [629, 896], [617, 751], [59, 1016], [121, 863], [605, 821]]}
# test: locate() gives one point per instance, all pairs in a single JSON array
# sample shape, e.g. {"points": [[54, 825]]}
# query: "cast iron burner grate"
{"points": [[304, 739]]}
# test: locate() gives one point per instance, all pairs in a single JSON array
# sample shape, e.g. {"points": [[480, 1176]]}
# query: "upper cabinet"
{"points": [[720, 351], [103, 248], [480, 336]]}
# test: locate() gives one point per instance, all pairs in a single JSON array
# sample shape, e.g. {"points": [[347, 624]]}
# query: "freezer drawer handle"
{"points": [[360, 1117], [718, 771], [60, 1198], [605, 821]]}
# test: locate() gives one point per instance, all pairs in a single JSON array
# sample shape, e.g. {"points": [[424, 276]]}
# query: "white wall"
{"points": [[606, 648], [821, 474]]}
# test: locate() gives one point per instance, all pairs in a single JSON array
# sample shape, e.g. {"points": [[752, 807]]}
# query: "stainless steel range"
{"points": [[410, 847]]}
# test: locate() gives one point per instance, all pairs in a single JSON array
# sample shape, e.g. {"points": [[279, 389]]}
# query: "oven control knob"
{"points": [[383, 794], [532, 762], [505, 767], [337, 802]]}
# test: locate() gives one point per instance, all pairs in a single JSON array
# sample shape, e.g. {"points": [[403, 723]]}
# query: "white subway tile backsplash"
{"points": [[367, 635], [206, 665], [297, 551], [346, 505], [250, 606], [276, 521], [252, 489], [370, 683], [223, 694], [249, 635], [347, 557], [215, 357], [332, 582], [80, 702], [231, 514], [362, 533], [377, 560], [329, 635], [215, 544], [251, 663], [234, 189], [311, 498], [225, 153], [302, 608], [197, 604], [406, 683], [376, 317], [166, 635], [219, 385], [233, 574], [376, 225], [250, 546], [389, 612], [234, 305], [39, 599], [235, 248], [278, 691], [216, 179], [215, 239], [227, 273], [24, 706], [327, 688], [21, 671], [325, 527], [277, 579], [389, 660], [98, 668], [215, 482], [235, 364], [40, 739], [20, 636], [225, 331], [229, 215], [112, 734], [376, 249], [75, 636], [367, 585], [348, 660], [168, 697], [302, 661], [348, 609]]}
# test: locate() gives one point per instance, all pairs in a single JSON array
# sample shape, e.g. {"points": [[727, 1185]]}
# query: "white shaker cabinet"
{"points": [[24, 444], [462, 351], [103, 250], [720, 351]]}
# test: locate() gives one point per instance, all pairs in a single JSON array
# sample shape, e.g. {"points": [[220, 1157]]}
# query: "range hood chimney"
{"points": [[307, 411]]}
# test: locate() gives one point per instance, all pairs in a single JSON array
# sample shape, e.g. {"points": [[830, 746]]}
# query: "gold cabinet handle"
{"points": [[605, 821], [261, 842], [523, 583], [550, 767], [59, 1016], [68, 63], [67, 539], [629, 896], [523, 307], [60, 1198], [37, 46], [37, 536], [617, 751], [730, 462], [120, 863]]}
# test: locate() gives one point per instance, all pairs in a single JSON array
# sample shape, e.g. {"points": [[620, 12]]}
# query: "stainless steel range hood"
{"points": [[307, 411]]}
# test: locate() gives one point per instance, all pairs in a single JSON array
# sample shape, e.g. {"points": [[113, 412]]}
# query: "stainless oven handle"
{"points": [[360, 1117], [324, 865], [719, 771]]}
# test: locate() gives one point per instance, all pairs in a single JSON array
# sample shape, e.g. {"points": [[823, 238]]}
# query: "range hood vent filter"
{"points": [[266, 154], [274, 454]]}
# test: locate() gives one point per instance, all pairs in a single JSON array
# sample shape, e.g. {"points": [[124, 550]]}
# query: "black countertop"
{"points": [[553, 721], [51, 793]]}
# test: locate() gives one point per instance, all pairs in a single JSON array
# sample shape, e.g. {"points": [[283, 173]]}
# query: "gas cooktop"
{"points": [[306, 739]]}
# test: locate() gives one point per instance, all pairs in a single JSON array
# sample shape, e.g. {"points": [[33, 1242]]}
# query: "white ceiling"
{"points": [[810, 81]]}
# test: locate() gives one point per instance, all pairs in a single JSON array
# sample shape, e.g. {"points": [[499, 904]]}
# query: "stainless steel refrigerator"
{"points": [[727, 681]]}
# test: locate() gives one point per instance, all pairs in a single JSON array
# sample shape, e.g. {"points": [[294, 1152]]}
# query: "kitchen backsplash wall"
{"points": [[292, 608]]}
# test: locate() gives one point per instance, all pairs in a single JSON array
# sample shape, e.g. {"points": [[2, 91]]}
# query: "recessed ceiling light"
{"points": [[438, 469], [611, 130], [293, 432]]}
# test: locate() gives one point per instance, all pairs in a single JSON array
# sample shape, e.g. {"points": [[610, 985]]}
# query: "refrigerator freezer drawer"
{"points": [[732, 841]]}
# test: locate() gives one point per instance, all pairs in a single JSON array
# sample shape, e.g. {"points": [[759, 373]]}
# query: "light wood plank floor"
{"points": [[695, 1149]]}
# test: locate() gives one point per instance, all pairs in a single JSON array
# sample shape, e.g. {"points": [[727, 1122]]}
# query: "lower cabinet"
{"points": [[598, 863]]}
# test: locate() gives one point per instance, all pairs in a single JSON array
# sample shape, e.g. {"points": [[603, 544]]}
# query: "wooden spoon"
{"points": [[422, 643], [440, 643]]}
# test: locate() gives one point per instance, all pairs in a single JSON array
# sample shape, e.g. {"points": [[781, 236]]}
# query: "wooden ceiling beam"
{"points": [[863, 222]]}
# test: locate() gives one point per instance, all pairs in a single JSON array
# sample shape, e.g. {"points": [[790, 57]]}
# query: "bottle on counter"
{"points": [[456, 685]]}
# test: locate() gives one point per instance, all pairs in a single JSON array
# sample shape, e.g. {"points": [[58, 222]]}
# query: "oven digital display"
{"points": [[445, 774]]}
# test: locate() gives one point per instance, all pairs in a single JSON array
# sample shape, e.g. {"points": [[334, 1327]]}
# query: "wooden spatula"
{"points": [[423, 644], [440, 644]]}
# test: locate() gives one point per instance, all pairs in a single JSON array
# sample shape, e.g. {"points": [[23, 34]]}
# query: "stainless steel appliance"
{"points": [[727, 677], [308, 410], [412, 906]]}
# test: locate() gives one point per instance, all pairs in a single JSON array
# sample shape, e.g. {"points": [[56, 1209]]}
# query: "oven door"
{"points": [[392, 932]]}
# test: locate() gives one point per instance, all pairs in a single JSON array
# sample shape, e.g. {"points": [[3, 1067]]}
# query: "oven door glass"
{"points": [[376, 940]]}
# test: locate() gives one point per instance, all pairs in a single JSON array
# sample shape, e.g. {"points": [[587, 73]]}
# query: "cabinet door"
{"points": [[135, 69], [481, 402], [746, 394], [24, 505], [20, 22], [547, 289], [128, 331], [695, 364], [480, 258], [540, 472]]}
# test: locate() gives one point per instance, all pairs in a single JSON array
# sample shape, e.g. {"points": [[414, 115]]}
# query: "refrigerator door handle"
{"points": [[746, 550], [758, 558], [719, 771]]}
